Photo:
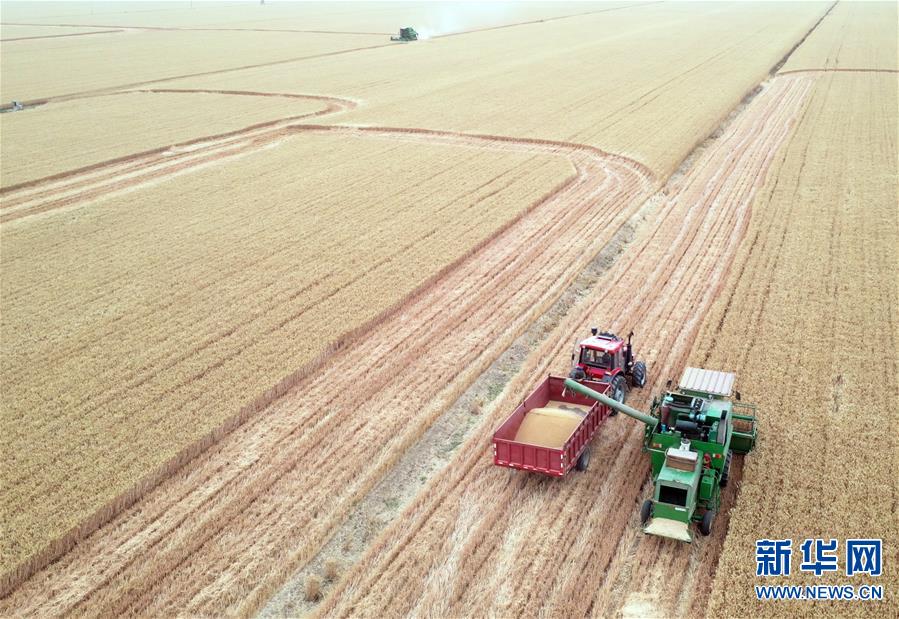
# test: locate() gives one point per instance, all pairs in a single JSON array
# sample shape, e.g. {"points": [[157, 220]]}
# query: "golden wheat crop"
{"points": [[164, 311], [600, 79], [58, 137], [810, 318], [855, 35], [227, 326], [43, 68]]}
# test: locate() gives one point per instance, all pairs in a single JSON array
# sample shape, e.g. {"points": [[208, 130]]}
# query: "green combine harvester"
{"points": [[406, 35], [691, 435]]}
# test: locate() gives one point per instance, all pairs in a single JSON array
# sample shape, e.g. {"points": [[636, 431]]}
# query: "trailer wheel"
{"points": [[583, 461], [645, 511], [725, 473], [638, 374], [705, 527]]}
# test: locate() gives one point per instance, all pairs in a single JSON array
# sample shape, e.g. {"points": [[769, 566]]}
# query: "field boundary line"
{"points": [[335, 104], [59, 36], [838, 70], [122, 28]]}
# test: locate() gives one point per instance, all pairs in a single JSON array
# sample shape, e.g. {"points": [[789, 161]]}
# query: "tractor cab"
{"points": [[601, 355], [608, 358]]}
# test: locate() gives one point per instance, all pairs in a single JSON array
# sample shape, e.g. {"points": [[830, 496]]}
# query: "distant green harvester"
{"points": [[691, 436], [406, 34]]}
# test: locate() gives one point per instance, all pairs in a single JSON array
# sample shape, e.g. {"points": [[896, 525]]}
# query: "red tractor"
{"points": [[606, 357]]}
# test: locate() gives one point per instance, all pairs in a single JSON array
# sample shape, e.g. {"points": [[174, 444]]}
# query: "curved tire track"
{"points": [[85, 185], [89, 183]]}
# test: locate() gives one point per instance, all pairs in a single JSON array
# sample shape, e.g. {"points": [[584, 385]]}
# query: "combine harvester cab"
{"points": [[406, 35], [691, 436], [551, 430]]}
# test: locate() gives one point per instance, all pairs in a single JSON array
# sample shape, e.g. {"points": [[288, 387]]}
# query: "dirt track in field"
{"points": [[231, 526], [574, 546]]}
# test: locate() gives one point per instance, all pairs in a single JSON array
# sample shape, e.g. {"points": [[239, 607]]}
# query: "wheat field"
{"points": [[53, 139], [518, 554], [828, 216], [270, 281], [132, 323], [584, 86]]}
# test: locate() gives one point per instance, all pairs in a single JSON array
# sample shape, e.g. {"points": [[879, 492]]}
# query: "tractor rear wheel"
{"points": [[645, 511], [584, 461], [725, 472], [638, 374], [705, 527]]}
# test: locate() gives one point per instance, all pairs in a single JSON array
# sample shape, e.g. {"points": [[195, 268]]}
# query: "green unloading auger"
{"points": [[618, 406]]}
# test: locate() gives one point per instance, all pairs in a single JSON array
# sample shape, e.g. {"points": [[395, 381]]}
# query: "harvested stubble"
{"points": [[332, 569], [167, 315], [313, 589], [521, 552]]}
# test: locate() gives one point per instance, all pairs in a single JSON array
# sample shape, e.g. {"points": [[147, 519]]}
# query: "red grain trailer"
{"points": [[574, 452]]}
